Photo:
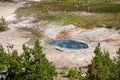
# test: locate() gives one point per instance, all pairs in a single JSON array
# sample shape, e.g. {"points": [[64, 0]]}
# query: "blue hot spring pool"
{"points": [[70, 44]]}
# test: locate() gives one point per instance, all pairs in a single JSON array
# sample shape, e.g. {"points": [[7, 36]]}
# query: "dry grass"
{"points": [[63, 34], [36, 33], [106, 14]]}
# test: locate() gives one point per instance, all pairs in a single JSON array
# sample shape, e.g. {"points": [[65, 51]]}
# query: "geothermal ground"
{"points": [[109, 38]]}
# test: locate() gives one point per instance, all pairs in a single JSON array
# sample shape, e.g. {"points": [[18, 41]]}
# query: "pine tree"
{"points": [[15, 71], [116, 74], [3, 59], [102, 66], [76, 74], [36, 65]]}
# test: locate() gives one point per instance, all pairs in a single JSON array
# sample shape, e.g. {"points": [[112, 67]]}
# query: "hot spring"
{"points": [[70, 44]]}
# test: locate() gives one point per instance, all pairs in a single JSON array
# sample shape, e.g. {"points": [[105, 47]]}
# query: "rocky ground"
{"points": [[109, 38]]}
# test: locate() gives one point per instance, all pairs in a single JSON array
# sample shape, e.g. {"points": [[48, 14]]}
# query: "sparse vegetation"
{"points": [[103, 13], [75, 74], [3, 24], [63, 71], [36, 31]]}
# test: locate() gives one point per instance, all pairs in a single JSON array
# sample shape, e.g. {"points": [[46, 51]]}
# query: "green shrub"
{"points": [[3, 24], [102, 66], [62, 72], [36, 65], [115, 25], [116, 75], [15, 69], [3, 59], [30, 65], [75, 74]]}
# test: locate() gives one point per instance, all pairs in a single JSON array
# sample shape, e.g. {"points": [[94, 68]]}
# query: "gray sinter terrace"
{"points": [[70, 44]]}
